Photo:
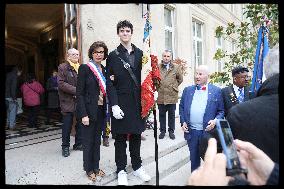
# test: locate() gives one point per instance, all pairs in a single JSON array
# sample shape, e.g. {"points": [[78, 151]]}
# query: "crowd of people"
{"points": [[88, 93]]}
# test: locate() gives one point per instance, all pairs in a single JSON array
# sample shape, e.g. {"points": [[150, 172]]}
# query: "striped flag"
{"points": [[261, 52], [149, 69]]}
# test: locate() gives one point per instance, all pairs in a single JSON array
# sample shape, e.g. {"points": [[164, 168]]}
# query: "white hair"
{"points": [[271, 62], [70, 51], [204, 68]]}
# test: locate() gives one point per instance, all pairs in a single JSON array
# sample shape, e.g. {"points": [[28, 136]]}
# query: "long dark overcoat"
{"points": [[52, 94], [123, 92], [87, 92]]}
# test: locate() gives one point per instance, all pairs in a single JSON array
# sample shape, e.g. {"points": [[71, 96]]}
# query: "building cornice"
{"points": [[214, 14]]}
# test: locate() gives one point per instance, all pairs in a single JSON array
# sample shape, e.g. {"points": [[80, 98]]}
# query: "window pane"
{"points": [[199, 62], [219, 66], [219, 42], [72, 11], [168, 40], [199, 48], [168, 19], [193, 28], [66, 13], [198, 30], [67, 39], [73, 35]]}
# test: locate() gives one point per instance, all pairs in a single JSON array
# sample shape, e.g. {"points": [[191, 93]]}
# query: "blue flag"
{"points": [[261, 52]]}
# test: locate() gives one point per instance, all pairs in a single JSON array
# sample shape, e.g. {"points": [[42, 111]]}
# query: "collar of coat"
{"points": [[121, 48], [170, 67]]}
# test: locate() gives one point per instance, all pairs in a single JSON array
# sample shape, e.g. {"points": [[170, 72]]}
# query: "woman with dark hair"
{"points": [[32, 90], [91, 107]]}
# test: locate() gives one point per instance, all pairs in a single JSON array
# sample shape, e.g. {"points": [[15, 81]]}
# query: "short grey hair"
{"points": [[204, 68], [271, 62]]}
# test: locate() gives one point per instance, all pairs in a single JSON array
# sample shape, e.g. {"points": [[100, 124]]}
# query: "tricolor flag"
{"points": [[150, 69], [261, 52]]}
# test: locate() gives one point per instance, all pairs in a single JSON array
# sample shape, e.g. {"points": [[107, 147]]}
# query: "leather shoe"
{"points": [[162, 135], [65, 152], [78, 147], [172, 135]]}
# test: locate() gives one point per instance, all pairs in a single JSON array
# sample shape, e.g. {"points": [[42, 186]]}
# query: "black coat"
{"points": [[87, 93], [11, 85], [52, 94], [230, 99], [257, 120], [123, 92]]}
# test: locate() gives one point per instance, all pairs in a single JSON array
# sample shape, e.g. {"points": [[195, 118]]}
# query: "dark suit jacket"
{"points": [[257, 120], [88, 91], [124, 93], [230, 98]]}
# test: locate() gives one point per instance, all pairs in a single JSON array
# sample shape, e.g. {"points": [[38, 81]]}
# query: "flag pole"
{"points": [[155, 122]]}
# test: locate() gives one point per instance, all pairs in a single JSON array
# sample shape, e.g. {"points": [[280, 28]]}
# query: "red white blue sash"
{"points": [[99, 75]]}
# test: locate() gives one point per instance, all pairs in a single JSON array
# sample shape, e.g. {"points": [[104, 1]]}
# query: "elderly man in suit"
{"points": [[201, 104], [238, 92]]}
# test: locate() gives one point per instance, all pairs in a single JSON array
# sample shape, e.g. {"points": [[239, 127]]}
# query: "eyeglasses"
{"points": [[74, 54], [98, 52]]}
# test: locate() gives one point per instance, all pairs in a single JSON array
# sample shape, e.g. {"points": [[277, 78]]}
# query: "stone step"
{"points": [[170, 160]]}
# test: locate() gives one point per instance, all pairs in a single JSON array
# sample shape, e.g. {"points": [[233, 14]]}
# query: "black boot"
{"points": [[65, 152]]}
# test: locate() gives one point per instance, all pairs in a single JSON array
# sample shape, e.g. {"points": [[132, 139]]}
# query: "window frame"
{"points": [[219, 63], [71, 40], [170, 29], [196, 39]]}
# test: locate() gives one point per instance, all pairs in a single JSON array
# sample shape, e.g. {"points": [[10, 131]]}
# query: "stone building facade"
{"points": [[186, 29]]}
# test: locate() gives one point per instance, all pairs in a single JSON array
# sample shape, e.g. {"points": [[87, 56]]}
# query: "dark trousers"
{"points": [[163, 109], [91, 142], [134, 149], [193, 141], [66, 130], [104, 135], [32, 117]]}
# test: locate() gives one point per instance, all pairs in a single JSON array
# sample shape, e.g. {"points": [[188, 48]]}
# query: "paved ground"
{"points": [[37, 159]]}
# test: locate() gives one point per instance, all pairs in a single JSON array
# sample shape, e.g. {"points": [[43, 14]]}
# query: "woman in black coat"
{"points": [[52, 96], [91, 107]]}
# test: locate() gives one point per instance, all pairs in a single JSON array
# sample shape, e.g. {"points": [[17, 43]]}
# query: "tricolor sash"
{"points": [[99, 75]]}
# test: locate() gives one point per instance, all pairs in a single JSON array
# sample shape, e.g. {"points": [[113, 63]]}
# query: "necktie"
{"points": [[241, 95]]}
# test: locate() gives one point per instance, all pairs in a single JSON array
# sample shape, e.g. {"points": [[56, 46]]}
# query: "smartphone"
{"points": [[229, 148]]}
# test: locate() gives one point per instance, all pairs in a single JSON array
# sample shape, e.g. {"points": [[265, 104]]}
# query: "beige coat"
{"points": [[170, 80]]}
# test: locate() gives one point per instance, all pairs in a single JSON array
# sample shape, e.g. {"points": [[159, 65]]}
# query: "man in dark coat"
{"points": [[125, 101], [238, 92], [257, 120], [11, 96], [67, 81]]}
